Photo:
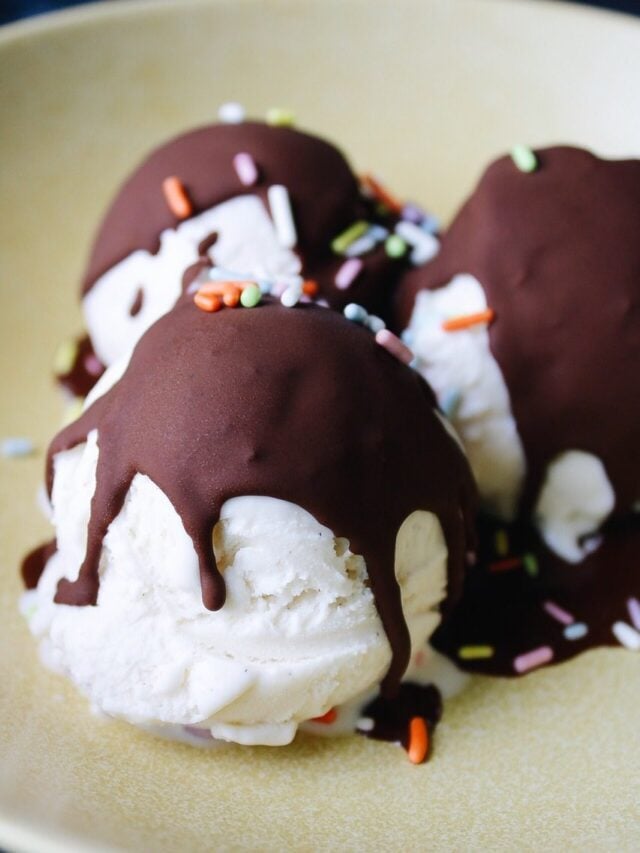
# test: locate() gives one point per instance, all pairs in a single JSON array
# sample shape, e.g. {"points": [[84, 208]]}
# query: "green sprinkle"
{"points": [[475, 652], [342, 242], [279, 117], [502, 543], [524, 158], [65, 357], [250, 296], [530, 564], [395, 246]]}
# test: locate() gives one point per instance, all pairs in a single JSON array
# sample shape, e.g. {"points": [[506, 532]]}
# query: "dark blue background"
{"points": [[12, 10]]}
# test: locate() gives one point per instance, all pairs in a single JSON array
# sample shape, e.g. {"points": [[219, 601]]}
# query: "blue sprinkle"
{"points": [[576, 631], [375, 324], [378, 232], [14, 447], [356, 313], [431, 224], [414, 363], [450, 403], [407, 337]]}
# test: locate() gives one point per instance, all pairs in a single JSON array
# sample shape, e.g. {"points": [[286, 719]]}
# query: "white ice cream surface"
{"points": [[471, 389], [575, 499], [247, 243], [298, 634]]}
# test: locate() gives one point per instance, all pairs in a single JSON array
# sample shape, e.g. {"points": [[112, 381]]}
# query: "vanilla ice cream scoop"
{"points": [[526, 326], [256, 520]]}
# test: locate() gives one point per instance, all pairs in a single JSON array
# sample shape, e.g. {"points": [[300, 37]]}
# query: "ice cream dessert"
{"points": [[527, 326], [259, 201], [257, 518]]}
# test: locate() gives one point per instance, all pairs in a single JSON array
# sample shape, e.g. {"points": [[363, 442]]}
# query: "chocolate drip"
{"points": [[391, 718], [33, 565], [297, 404], [504, 608], [85, 370], [136, 305], [324, 194], [558, 254]]}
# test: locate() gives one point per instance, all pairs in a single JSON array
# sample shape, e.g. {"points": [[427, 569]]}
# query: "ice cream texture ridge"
{"points": [[326, 455]]}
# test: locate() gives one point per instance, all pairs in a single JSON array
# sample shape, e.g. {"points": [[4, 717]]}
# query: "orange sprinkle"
{"points": [[310, 287], [330, 717], [505, 565], [207, 301], [455, 324], [219, 288], [418, 740], [380, 192], [176, 197], [231, 296]]}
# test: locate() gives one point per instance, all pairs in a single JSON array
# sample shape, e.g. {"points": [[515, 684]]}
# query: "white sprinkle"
{"points": [[14, 447], [360, 246], [356, 313], [424, 245], [394, 346], [291, 295], [232, 113], [282, 215], [348, 273], [627, 636], [246, 169], [633, 606], [375, 324], [365, 724], [576, 631], [322, 303]]}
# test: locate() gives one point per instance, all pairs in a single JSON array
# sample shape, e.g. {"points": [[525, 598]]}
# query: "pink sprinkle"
{"points": [[246, 169], [394, 345], [348, 273], [634, 612], [92, 365], [533, 659], [558, 613]]}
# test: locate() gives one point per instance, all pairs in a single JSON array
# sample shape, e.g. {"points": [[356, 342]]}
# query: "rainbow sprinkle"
{"points": [[246, 169], [533, 659], [17, 446], [576, 631], [633, 606], [475, 652], [280, 206], [231, 113], [626, 636], [524, 158], [348, 273], [280, 117], [342, 242], [556, 612]]}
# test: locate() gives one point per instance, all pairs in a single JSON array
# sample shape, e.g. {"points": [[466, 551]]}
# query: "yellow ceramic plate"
{"points": [[424, 92]]}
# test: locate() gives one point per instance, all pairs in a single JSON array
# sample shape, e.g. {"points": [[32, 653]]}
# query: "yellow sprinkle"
{"points": [[502, 543], [73, 411], [475, 652], [279, 117], [65, 357]]}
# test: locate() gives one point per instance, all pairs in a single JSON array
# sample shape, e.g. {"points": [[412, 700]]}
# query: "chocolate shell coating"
{"points": [[558, 254], [324, 193], [293, 403]]}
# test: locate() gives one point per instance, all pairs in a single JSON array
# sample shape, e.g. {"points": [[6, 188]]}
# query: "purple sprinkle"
{"points": [[412, 213], [533, 659], [348, 273], [557, 613], [93, 365], [246, 169]]}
